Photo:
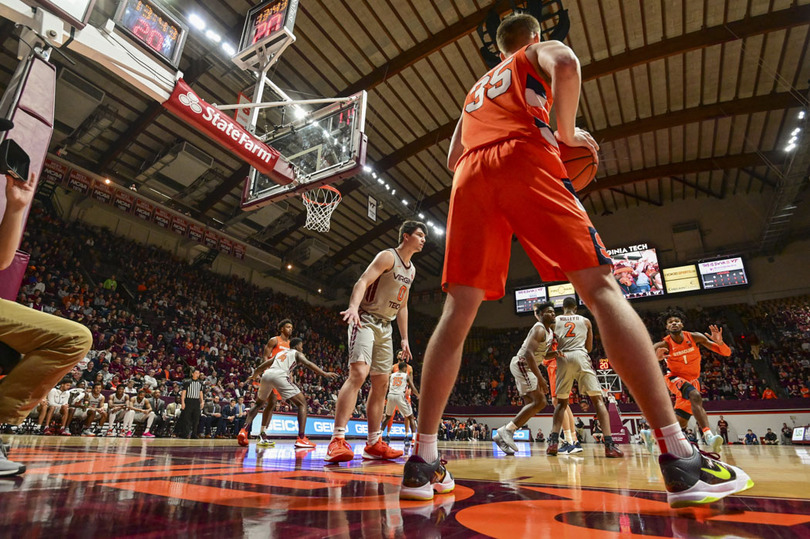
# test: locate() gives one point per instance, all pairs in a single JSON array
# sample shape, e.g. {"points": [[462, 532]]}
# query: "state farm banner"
{"points": [[123, 201], [180, 226], [143, 209], [225, 246], [211, 239], [223, 129], [102, 192], [196, 232], [239, 251], [79, 182], [162, 218], [54, 171]]}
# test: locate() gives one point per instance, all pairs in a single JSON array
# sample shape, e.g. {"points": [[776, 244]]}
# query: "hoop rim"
{"points": [[315, 202]]}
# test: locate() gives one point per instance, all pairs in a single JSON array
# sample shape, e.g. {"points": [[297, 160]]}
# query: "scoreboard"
{"points": [[722, 273], [527, 297]]}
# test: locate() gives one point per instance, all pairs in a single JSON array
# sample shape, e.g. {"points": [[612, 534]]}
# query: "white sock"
{"points": [[707, 434], [339, 432], [427, 447], [570, 437], [671, 440], [374, 437], [511, 427]]}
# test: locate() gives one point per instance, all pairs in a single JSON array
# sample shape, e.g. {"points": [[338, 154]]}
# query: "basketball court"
{"points": [[116, 487], [284, 145]]}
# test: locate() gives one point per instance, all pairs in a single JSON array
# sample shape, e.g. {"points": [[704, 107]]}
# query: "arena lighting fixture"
{"points": [[387, 187], [438, 231], [196, 21], [107, 181], [801, 115], [421, 215], [430, 224], [319, 291], [366, 168], [393, 192], [796, 131], [229, 49], [790, 148], [213, 36], [404, 202], [289, 266], [380, 181], [299, 112]]}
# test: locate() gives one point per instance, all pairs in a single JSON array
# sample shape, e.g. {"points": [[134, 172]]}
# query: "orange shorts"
{"points": [[681, 387], [515, 187]]}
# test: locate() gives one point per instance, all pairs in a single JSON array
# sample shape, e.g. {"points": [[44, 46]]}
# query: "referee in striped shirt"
{"points": [[191, 404]]}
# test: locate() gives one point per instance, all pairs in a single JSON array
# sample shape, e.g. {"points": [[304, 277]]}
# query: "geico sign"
{"points": [[397, 429], [224, 130], [284, 425], [322, 426], [362, 428]]}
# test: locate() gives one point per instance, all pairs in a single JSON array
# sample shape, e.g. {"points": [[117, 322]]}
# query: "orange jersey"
{"points": [[511, 101], [281, 344], [684, 358]]}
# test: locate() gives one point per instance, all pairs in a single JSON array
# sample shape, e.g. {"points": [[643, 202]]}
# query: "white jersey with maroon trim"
{"points": [[284, 362], [385, 296], [540, 352], [398, 383], [572, 332]]}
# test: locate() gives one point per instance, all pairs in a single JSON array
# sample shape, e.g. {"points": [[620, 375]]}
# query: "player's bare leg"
{"points": [[534, 401], [628, 345], [424, 472], [714, 441], [339, 450], [375, 447], [611, 451]]}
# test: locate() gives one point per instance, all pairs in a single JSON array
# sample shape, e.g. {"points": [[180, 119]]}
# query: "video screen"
{"points": [[681, 279], [526, 298], [558, 292], [723, 273], [635, 268]]}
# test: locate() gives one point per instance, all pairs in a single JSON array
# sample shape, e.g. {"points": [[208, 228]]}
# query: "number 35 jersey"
{"points": [[511, 101], [388, 293]]}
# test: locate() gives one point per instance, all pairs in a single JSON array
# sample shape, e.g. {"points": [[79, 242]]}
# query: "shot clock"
{"points": [[153, 27], [268, 30]]}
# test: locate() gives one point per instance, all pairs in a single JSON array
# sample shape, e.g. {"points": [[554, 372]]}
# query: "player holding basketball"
{"points": [[275, 378], [509, 180], [399, 383], [574, 343], [379, 296], [530, 383], [275, 345], [680, 350]]}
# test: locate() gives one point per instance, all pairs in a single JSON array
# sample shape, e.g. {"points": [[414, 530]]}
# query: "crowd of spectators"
{"points": [[154, 317]]}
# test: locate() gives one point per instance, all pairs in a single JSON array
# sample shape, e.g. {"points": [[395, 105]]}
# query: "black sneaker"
{"points": [[700, 479], [8, 467], [420, 479]]}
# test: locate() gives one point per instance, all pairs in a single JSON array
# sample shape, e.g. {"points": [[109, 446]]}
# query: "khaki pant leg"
{"points": [[50, 346]]}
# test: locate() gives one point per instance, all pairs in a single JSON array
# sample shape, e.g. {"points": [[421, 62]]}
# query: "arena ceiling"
{"points": [[687, 99]]}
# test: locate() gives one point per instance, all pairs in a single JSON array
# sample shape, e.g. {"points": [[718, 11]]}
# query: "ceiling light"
{"points": [[393, 192], [299, 112], [404, 202], [289, 266], [196, 21], [107, 181], [387, 187], [796, 131], [366, 168], [319, 291], [801, 115], [380, 181], [438, 231], [430, 224], [421, 215], [228, 48], [792, 140], [213, 36], [790, 148]]}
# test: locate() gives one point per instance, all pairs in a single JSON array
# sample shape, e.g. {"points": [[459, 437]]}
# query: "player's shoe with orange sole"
{"points": [[243, 438], [421, 479], [339, 451], [381, 451], [304, 443]]}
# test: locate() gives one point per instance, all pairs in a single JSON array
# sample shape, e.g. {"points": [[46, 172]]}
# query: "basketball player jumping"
{"points": [[509, 179], [399, 383], [530, 383], [379, 296], [574, 343], [275, 377], [680, 349]]}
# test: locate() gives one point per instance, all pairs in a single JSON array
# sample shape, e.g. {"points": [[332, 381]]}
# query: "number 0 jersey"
{"points": [[511, 101], [386, 295], [571, 331]]}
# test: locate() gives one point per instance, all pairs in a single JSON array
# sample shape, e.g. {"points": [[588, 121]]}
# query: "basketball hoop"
{"points": [[320, 203]]}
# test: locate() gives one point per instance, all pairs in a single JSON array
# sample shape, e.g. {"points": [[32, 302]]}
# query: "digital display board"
{"points": [[266, 21], [526, 298], [635, 268], [558, 292], [681, 279], [153, 27], [723, 273]]}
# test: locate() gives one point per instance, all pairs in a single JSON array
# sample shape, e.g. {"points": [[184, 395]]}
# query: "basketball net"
{"points": [[320, 203]]}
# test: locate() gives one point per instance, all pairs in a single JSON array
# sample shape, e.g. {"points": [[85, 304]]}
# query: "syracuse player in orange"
{"points": [[509, 180], [680, 349], [571, 444]]}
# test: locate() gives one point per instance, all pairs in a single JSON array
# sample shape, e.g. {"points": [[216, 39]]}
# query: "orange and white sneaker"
{"points": [[339, 451], [243, 438], [381, 451], [303, 443]]}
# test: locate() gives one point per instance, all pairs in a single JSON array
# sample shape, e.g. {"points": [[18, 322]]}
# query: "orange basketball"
{"points": [[580, 164]]}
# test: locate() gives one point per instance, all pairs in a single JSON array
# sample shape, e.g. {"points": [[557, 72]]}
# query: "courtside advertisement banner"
{"points": [[224, 130], [287, 425]]}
